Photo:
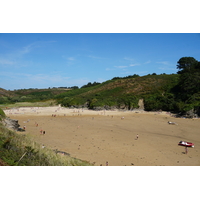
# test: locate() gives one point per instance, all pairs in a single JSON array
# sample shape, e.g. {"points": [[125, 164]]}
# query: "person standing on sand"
{"points": [[186, 150], [137, 136]]}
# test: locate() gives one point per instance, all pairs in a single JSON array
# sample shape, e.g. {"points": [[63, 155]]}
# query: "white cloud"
{"points": [[71, 58], [27, 80], [120, 67], [95, 57], [147, 62], [128, 58], [28, 48], [163, 62], [133, 65], [167, 68], [6, 62]]}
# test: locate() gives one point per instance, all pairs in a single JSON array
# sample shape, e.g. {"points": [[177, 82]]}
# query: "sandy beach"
{"points": [[110, 137]]}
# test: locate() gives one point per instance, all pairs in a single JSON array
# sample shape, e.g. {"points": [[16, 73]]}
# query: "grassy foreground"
{"points": [[19, 150]]}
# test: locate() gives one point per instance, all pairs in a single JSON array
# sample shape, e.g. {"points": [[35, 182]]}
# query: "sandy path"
{"points": [[98, 136]]}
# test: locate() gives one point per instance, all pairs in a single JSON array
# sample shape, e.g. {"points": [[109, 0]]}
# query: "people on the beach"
{"points": [[137, 136], [172, 123], [186, 150]]}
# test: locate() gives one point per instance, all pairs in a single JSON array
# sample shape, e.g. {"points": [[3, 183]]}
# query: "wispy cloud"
{"points": [[147, 62], [133, 65], [121, 67], [40, 80], [163, 62], [95, 57], [26, 49], [15, 57], [71, 58], [128, 58], [6, 62], [27, 80], [168, 68]]}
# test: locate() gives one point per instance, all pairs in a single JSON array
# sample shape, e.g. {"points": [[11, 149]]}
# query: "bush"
{"points": [[2, 114]]}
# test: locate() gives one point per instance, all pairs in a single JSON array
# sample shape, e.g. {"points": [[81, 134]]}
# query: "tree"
{"points": [[186, 64], [189, 85]]}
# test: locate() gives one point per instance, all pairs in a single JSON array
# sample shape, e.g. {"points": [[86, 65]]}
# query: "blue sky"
{"points": [[31, 60]]}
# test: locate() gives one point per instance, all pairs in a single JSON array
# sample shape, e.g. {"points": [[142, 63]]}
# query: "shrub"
{"points": [[2, 114]]}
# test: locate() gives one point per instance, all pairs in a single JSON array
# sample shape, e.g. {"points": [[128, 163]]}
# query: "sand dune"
{"points": [[110, 136]]}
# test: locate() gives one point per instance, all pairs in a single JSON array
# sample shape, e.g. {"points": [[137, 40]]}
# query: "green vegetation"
{"points": [[29, 95], [123, 93], [2, 114], [29, 104], [19, 150], [90, 84]]}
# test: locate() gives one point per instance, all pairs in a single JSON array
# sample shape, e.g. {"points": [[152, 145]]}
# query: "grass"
{"points": [[20, 150], [2, 114], [29, 104]]}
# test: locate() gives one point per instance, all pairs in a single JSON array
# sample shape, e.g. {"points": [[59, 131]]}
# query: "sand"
{"points": [[110, 136]]}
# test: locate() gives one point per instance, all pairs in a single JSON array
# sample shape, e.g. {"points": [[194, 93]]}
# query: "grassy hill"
{"points": [[119, 93], [28, 95]]}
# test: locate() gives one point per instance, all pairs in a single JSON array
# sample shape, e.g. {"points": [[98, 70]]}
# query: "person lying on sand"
{"points": [[172, 123]]}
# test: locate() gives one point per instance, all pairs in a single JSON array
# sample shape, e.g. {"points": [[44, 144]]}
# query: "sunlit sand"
{"points": [[111, 136]]}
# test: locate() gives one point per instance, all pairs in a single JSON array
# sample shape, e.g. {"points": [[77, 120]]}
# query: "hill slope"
{"points": [[119, 93], [28, 95]]}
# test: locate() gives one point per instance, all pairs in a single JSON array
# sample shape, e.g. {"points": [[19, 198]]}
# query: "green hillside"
{"points": [[28, 95], [120, 92]]}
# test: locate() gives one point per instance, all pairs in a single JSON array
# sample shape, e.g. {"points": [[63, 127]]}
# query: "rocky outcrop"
{"points": [[192, 113], [141, 104], [11, 124]]}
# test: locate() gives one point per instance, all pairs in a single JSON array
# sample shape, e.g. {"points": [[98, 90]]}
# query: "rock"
{"points": [[11, 123], [192, 113], [141, 104]]}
